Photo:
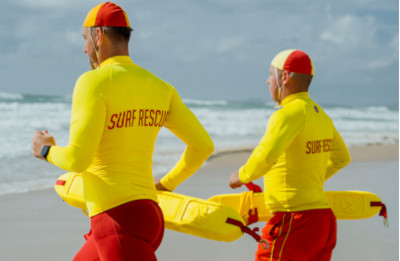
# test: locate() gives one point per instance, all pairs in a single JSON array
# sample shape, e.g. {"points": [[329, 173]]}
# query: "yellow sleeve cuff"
{"points": [[168, 183], [48, 157], [243, 177]]}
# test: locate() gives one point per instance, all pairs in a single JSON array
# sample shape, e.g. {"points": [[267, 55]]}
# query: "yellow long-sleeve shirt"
{"points": [[117, 112], [299, 151]]}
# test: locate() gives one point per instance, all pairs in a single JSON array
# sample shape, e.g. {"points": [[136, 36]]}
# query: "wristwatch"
{"points": [[45, 151]]}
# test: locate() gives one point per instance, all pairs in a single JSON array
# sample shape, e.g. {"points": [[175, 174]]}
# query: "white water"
{"points": [[232, 125]]}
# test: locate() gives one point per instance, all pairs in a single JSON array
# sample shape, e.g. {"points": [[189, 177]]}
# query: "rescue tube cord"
{"points": [[251, 232], [253, 218], [253, 187], [253, 211], [382, 213], [247, 209]]}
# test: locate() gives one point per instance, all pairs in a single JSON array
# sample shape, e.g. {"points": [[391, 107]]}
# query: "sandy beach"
{"points": [[40, 226]]}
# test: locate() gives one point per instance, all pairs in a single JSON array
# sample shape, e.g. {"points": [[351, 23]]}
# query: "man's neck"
{"points": [[291, 89], [104, 55]]}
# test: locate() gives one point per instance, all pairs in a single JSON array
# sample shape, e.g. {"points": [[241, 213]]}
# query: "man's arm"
{"points": [[340, 155], [184, 124], [281, 131], [87, 123], [39, 140]]}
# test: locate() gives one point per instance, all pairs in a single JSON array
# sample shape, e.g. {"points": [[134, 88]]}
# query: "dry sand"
{"points": [[40, 226]]}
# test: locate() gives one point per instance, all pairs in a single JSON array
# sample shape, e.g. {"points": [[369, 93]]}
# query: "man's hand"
{"points": [[159, 186], [234, 181], [39, 140]]}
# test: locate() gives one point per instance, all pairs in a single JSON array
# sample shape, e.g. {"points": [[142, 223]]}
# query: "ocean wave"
{"points": [[204, 102], [233, 126], [363, 113], [11, 96]]}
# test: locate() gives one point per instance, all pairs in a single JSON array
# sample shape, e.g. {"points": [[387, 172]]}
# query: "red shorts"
{"points": [[304, 235], [132, 231]]}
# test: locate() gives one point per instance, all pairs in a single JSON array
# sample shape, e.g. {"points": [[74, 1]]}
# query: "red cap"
{"points": [[295, 61], [106, 14]]}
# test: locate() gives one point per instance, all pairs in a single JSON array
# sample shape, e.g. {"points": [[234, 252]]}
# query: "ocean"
{"points": [[232, 125]]}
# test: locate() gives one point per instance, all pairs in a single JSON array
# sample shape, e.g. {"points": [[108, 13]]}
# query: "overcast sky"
{"points": [[213, 49]]}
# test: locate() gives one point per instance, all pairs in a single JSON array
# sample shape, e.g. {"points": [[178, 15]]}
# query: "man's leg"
{"points": [[298, 236], [88, 252], [132, 231]]}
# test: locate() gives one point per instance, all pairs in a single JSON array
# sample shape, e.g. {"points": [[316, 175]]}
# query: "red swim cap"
{"points": [[295, 61], [106, 14]]}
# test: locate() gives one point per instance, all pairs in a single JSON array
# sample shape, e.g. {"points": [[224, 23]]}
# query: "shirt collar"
{"points": [[300, 95], [117, 59]]}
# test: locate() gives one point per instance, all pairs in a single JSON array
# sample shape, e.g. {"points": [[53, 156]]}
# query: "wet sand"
{"points": [[40, 226]]}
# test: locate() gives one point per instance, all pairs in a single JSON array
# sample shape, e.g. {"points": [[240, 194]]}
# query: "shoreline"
{"points": [[45, 227], [374, 168], [358, 153], [369, 152]]}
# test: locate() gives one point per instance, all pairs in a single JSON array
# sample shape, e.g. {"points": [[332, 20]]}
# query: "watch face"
{"points": [[45, 151]]}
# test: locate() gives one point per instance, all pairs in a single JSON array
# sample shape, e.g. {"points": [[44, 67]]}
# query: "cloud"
{"points": [[387, 5], [351, 30], [49, 4], [213, 46], [227, 44], [388, 57], [379, 64], [145, 35], [74, 37], [394, 43]]}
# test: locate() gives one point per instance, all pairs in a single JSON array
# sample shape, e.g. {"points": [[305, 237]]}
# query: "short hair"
{"points": [[302, 79], [116, 33]]}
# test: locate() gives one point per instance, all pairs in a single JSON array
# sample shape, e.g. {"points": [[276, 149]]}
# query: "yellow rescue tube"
{"points": [[199, 217], [182, 213], [345, 204]]}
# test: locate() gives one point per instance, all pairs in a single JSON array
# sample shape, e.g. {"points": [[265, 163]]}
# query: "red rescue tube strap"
{"points": [[253, 213], [253, 187], [382, 213], [61, 182], [247, 230], [253, 216]]}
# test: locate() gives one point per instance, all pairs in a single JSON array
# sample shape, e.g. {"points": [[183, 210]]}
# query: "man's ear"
{"points": [[285, 77], [100, 36]]}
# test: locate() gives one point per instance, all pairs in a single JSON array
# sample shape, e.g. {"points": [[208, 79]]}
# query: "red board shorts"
{"points": [[297, 236], [132, 231]]}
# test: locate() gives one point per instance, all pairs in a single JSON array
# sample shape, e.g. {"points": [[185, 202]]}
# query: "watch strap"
{"points": [[45, 151]]}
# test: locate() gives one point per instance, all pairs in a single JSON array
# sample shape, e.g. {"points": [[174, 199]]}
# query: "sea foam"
{"points": [[231, 125]]}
